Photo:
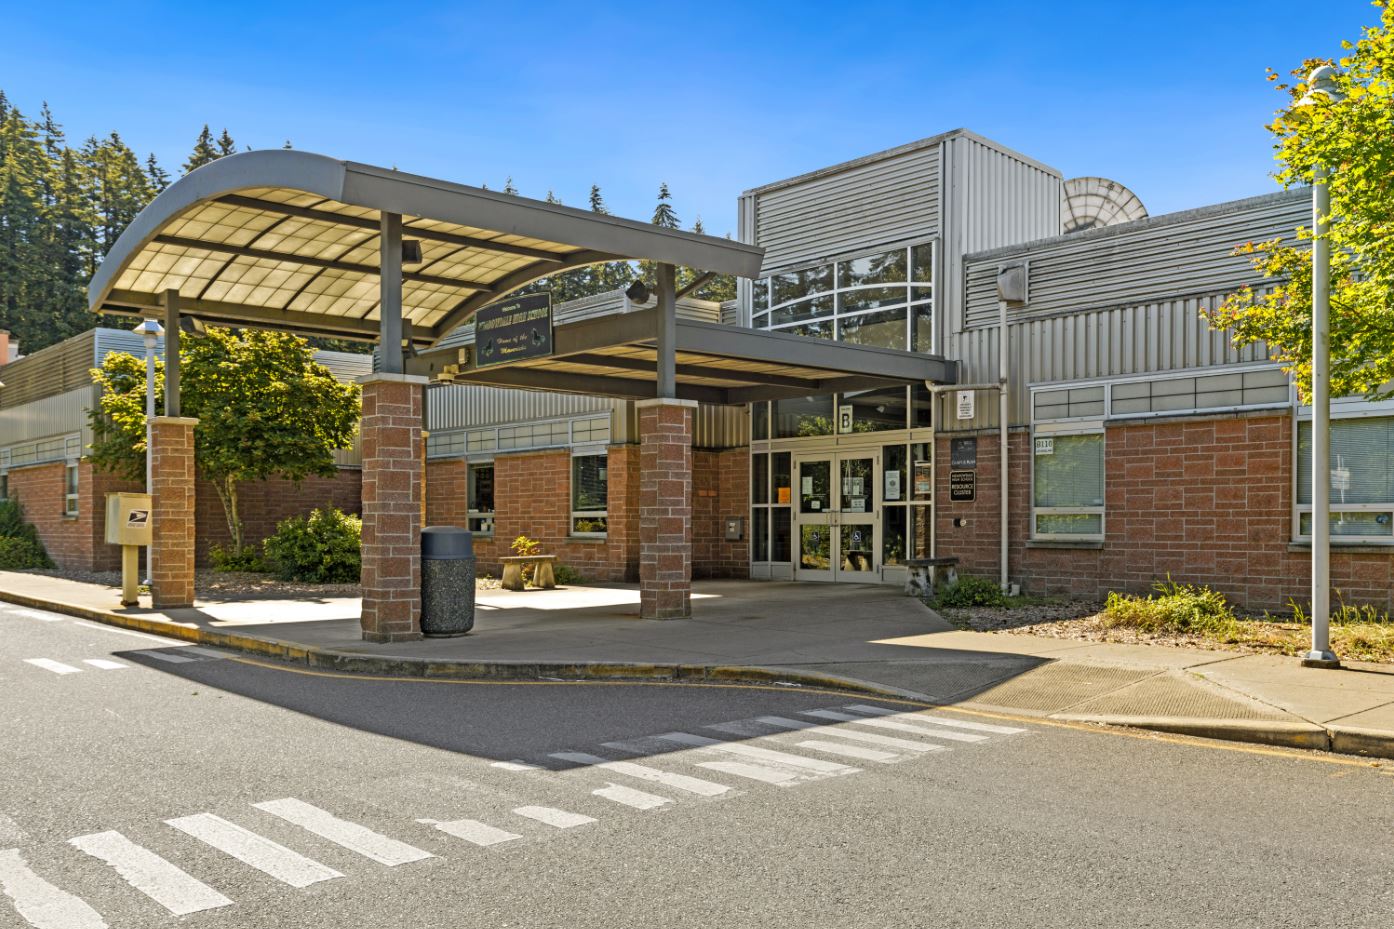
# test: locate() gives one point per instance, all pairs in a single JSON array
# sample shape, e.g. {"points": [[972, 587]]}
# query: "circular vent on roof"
{"points": [[1090, 202]]}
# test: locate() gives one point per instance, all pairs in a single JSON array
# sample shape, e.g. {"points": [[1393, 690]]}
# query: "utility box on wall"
{"points": [[735, 528], [128, 519]]}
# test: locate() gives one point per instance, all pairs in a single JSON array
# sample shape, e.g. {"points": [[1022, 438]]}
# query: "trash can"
{"points": [[447, 581]]}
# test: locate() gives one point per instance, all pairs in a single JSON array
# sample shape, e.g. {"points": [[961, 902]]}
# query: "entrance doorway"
{"points": [[837, 522]]}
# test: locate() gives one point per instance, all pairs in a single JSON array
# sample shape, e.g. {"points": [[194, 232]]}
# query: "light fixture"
{"points": [[638, 292], [191, 327], [411, 251]]}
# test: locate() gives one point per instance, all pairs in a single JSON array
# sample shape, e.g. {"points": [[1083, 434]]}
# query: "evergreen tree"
{"points": [[287, 145], [225, 144], [698, 228], [117, 189], [22, 171], [508, 187], [157, 176], [597, 201], [204, 151], [551, 197], [663, 213]]}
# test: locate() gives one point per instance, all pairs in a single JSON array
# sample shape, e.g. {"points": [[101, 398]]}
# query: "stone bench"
{"points": [[926, 574], [543, 574]]}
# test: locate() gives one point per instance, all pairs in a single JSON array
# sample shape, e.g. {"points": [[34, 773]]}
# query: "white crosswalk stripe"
{"points": [[350, 835], [934, 720], [41, 904], [34, 614], [515, 765], [169, 886], [472, 831], [754, 772], [57, 667], [758, 754], [105, 664], [868, 738], [628, 796], [947, 734], [692, 785], [246, 846], [850, 751], [561, 819]]}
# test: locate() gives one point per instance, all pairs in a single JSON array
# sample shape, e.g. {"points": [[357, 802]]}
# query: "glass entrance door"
{"points": [[838, 517]]}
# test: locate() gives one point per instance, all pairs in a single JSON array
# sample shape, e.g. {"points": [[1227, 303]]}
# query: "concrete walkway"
{"points": [[863, 637]]}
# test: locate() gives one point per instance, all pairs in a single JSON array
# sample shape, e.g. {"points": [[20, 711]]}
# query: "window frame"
{"points": [[71, 498], [1342, 409], [473, 516], [588, 514], [1060, 430]]}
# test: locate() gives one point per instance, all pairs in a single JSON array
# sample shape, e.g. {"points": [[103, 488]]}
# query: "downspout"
{"points": [[1002, 422]]}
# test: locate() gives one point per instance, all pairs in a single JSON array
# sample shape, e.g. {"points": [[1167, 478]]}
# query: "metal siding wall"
{"points": [[60, 414], [49, 371], [1149, 338], [721, 426], [1159, 258], [465, 406], [878, 202], [1006, 200]]}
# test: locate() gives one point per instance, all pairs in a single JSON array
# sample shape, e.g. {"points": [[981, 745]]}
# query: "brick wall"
{"points": [[263, 504], [720, 489], [1204, 500]]}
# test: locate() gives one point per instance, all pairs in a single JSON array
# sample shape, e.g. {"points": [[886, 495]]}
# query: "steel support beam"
{"points": [[390, 301], [630, 363], [131, 303], [667, 332], [695, 283], [171, 352], [332, 264], [367, 222]]}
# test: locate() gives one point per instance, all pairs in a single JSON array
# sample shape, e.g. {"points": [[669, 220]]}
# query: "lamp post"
{"points": [[1321, 90], [151, 331]]}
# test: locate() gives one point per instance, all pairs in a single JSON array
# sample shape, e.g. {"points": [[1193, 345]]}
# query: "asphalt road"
{"points": [[140, 780]]}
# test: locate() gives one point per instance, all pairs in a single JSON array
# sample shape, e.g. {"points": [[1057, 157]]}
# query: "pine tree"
{"points": [[287, 145], [508, 187], [225, 144], [117, 189], [698, 228], [663, 214], [158, 176], [552, 198], [22, 170], [204, 151], [597, 201]]}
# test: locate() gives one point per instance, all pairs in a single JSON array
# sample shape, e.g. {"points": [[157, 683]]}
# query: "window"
{"points": [[70, 489], [4, 485], [1068, 485], [589, 495], [770, 498], [884, 299], [1362, 478], [481, 498]]}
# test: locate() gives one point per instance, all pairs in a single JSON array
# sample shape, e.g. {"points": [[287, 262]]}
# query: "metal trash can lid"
{"points": [[446, 543]]}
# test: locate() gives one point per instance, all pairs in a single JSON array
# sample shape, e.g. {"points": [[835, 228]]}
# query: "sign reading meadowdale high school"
{"points": [[514, 329]]}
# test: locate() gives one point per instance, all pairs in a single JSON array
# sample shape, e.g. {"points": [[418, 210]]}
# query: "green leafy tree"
{"points": [[1354, 140], [265, 408]]}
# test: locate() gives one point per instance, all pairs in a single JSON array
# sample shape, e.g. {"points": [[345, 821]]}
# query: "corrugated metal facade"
{"points": [[59, 414], [1179, 254], [882, 199], [466, 406], [49, 371]]}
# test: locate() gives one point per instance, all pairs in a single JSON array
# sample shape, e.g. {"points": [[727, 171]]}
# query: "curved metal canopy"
{"points": [[291, 240]]}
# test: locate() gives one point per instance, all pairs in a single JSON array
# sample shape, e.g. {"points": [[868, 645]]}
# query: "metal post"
{"points": [[667, 333], [149, 402], [390, 303], [171, 353], [1321, 655], [1003, 474]]}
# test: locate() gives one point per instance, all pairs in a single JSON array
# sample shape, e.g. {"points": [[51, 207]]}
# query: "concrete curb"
{"points": [[424, 668], [1300, 735]]}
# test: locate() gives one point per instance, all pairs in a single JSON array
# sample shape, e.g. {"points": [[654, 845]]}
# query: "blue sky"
{"points": [[1168, 98]]}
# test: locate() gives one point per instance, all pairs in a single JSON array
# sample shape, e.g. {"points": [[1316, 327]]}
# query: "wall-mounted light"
{"points": [[411, 251], [638, 292]]}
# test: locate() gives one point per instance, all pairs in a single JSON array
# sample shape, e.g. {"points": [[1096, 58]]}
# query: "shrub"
{"points": [[524, 546], [18, 554], [566, 574], [20, 546], [1173, 608], [246, 558], [322, 548], [971, 591]]}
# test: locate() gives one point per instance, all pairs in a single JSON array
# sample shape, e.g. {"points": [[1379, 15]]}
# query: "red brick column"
{"points": [[173, 528], [665, 508], [392, 487]]}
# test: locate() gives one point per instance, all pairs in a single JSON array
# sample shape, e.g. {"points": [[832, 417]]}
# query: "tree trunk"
{"points": [[227, 495]]}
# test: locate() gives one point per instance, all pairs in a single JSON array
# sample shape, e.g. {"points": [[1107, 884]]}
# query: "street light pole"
{"points": [[1321, 89], [151, 331]]}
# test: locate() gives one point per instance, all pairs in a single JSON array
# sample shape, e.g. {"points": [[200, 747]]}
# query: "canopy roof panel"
{"points": [[616, 355], [290, 240]]}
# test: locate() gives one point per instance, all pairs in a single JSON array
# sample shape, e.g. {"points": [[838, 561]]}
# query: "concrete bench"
{"points": [[926, 574], [543, 574]]}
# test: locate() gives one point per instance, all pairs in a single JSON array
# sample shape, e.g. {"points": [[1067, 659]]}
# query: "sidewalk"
{"points": [[863, 638]]}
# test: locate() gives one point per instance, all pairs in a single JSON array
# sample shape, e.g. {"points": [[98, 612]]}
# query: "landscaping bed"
{"points": [[239, 585], [1176, 615]]}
